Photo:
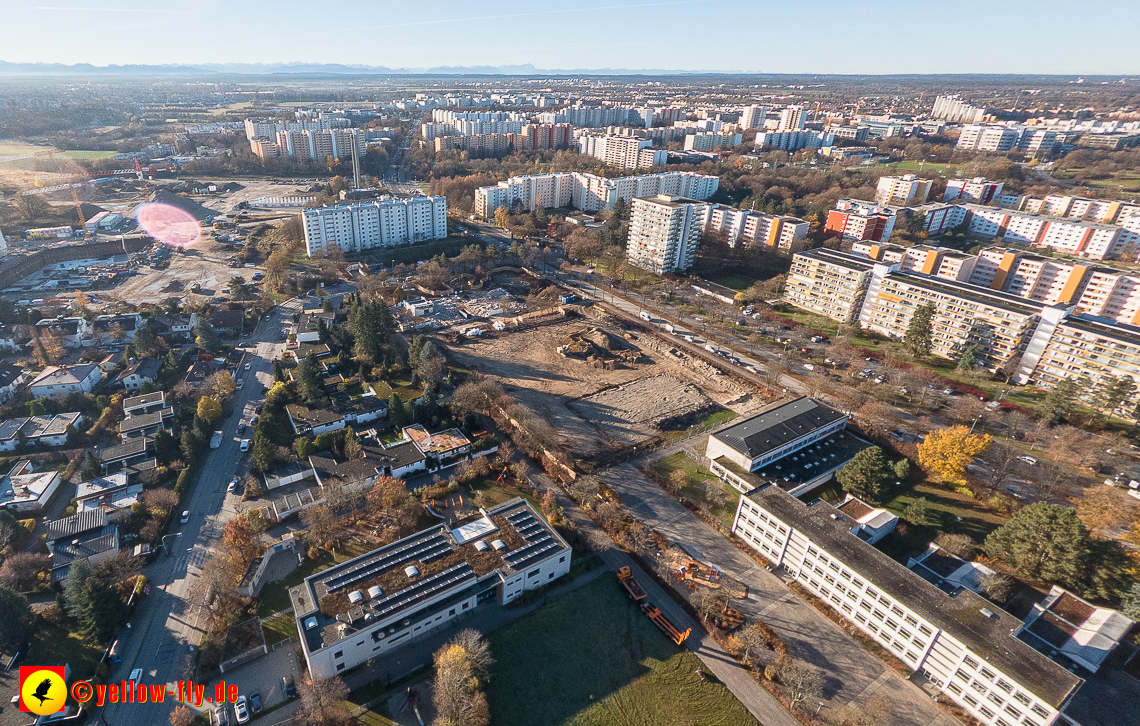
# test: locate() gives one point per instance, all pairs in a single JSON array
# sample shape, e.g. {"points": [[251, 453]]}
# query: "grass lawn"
{"points": [[496, 493], [830, 491], [55, 644], [279, 628], [88, 154], [943, 169], [734, 281], [699, 475], [274, 596], [946, 511], [720, 417], [384, 390], [592, 658]]}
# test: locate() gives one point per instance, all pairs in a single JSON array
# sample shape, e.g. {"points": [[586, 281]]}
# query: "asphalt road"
{"points": [[168, 625]]}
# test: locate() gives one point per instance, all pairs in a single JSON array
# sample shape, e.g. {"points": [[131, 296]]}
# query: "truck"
{"points": [[216, 440], [644, 316], [631, 585], [663, 623], [668, 328]]}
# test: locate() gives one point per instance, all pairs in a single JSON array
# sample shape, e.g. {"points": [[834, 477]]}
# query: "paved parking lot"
{"points": [[264, 675]]}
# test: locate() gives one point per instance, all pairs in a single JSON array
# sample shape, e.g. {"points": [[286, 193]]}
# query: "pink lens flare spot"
{"points": [[169, 225]]}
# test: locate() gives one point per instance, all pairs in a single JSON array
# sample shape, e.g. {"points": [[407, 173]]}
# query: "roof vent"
{"points": [[498, 544], [481, 546], [988, 613], [374, 592], [355, 596], [310, 623], [411, 571]]}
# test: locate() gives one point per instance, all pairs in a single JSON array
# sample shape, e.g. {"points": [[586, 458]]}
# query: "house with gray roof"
{"points": [[59, 381], [145, 370]]}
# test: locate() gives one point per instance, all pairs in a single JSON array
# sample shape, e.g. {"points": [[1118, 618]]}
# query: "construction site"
{"points": [[603, 384]]}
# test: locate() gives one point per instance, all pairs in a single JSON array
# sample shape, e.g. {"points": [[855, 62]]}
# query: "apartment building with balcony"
{"points": [[775, 233], [368, 225], [588, 192], [830, 283], [664, 231], [858, 220], [902, 191], [976, 191]]}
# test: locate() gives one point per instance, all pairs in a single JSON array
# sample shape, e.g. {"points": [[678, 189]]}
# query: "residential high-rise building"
{"points": [[711, 141], [792, 118], [588, 192], [786, 235], [368, 225], [622, 151], [664, 231], [829, 283], [753, 117], [994, 139], [954, 110], [858, 220], [902, 191], [795, 140], [976, 190]]}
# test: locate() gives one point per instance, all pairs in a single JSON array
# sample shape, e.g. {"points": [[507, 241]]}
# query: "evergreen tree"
{"points": [[1060, 399], [206, 337], [165, 446], [865, 476], [1042, 541], [397, 415], [902, 469], [309, 383], [969, 358], [1131, 605], [916, 511], [91, 467], [78, 574], [146, 339], [101, 612], [1113, 392], [15, 619], [372, 329], [919, 337]]}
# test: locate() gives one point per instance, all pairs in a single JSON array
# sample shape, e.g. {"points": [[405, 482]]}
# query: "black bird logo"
{"points": [[42, 691]]}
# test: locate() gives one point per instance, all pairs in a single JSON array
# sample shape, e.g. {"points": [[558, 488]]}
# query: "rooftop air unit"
{"points": [[411, 571], [355, 596], [374, 592], [481, 546], [310, 623], [498, 544]]}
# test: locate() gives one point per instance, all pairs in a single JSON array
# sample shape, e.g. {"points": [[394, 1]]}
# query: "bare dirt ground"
{"points": [[531, 370], [205, 263]]}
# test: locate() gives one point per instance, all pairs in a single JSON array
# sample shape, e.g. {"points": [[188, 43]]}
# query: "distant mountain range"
{"points": [[263, 69]]}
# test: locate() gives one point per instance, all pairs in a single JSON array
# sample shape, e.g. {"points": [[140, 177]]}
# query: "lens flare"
{"points": [[169, 224]]}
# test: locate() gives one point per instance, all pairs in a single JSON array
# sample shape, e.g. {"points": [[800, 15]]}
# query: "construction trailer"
{"points": [[631, 585], [663, 623]]}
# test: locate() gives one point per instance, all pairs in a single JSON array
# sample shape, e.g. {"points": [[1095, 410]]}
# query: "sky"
{"points": [[764, 36]]}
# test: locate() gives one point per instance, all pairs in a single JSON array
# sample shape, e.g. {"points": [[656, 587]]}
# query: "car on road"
{"points": [[240, 383], [241, 428], [244, 446], [242, 710], [186, 516], [231, 486], [948, 391], [1028, 460], [255, 702], [136, 675], [247, 365], [288, 687]]}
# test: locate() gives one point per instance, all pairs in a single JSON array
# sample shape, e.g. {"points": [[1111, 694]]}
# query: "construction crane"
{"points": [[79, 209]]}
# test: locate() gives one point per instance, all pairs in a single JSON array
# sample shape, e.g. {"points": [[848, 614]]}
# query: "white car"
{"points": [[247, 365], [242, 710], [1027, 459], [244, 446], [136, 675], [186, 516]]}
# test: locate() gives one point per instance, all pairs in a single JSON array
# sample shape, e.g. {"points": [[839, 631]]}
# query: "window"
{"points": [[865, 605], [451, 613], [532, 573], [846, 608], [550, 576], [860, 617], [1040, 711], [465, 606], [995, 698], [910, 654], [897, 610], [874, 628], [338, 654], [871, 593], [360, 644], [978, 686], [1021, 698], [1013, 711], [892, 624], [955, 688], [340, 666], [971, 662], [562, 558], [924, 630], [846, 575], [1004, 686], [879, 615], [988, 673], [986, 712], [904, 634], [970, 700], [962, 674]]}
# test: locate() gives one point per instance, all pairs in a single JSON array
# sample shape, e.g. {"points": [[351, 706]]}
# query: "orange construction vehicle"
{"points": [[662, 622], [632, 586]]}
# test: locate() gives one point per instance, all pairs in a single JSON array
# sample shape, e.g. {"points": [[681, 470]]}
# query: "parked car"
{"points": [[244, 446], [288, 687], [241, 428], [242, 710], [255, 702], [136, 675], [186, 516], [231, 486], [948, 391], [1027, 459], [221, 716]]}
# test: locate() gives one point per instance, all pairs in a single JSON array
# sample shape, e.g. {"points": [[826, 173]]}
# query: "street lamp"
{"points": [[165, 546], [974, 423]]}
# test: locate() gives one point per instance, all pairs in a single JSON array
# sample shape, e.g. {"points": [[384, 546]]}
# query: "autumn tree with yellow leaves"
{"points": [[949, 451]]}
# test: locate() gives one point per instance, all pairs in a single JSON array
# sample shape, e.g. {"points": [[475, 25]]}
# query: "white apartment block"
{"points": [[792, 118], [378, 602], [902, 191], [711, 141], [976, 191], [954, 110], [620, 152], [795, 140], [1103, 211], [830, 283], [1111, 294], [588, 192], [994, 139], [1077, 238], [961, 642], [752, 117], [756, 229], [664, 231], [859, 220], [369, 225], [320, 145]]}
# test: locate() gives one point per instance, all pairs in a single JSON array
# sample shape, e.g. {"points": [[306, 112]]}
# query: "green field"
{"points": [[736, 282], [947, 170], [280, 628], [698, 476], [591, 658], [947, 511]]}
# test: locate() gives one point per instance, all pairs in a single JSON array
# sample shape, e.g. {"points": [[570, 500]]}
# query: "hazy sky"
{"points": [[817, 36]]}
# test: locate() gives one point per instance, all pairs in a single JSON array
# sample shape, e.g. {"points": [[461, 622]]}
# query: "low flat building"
{"points": [[871, 524], [962, 643], [114, 495], [313, 422], [94, 548], [772, 435], [146, 424], [146, 403], [37, 430], [130, 452], [368, 606], [446, 444], [948, 572], [1070, 629]]}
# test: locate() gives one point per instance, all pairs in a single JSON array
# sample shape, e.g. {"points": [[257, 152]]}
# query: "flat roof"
{"points": [[959, 615], [146, 399], [765, 432], [844, 259], [976, 293]]}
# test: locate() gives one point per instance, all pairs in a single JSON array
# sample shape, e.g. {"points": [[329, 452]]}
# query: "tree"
{"points": [[165, 446], [32, 208], [101, 611], [219, 385], [969, 357], [950, 451], [264, 451], [1114, 392], [1043, 541], [802, 680], [397, 414], [877, 418], [462, 667], [309, 382], [902, 469], [1060, 400], [181, 716], [91, 467], [919, 338], [15, 619], [21, 571], [372, 329], [997, 587], [916, 512], [1001, 460], [1131, 605], [160, 502], [209, 409], [1105, 510], [320, 523], [146, 339], [237, 287], [77, 575], [206, 337], [502, 218], [238, 537], [865, 476], [322, 702], [9, 530], [706, 602], [959, 545]]}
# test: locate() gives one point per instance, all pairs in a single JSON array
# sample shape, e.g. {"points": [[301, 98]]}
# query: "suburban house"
{"points": [[131, 451], [228, 321], [112, 494], [199, 371], [37, 430], [108, 328], [70, 332], [8, 338], [58, 381], [111, 363], [10, 379], [365, 607], [310, 422], [136, 374], [375, 460], [308, 325], [446, 444], [23, 490], [418, 307], [176, 327], [146, 403], [871, 524], [1072, 630], [948, 572], [86, 535], [146, 424]]}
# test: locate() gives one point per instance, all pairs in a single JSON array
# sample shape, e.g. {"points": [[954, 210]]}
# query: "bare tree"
{"points": [[1050, 479], [959, 545], [802, 680], [998, 587], [706, 602], [181, 716], [878, 710], [1001, 460], [322, 702], [964, 409], [773, 371], [1017, 425], [877, 418], [21, 570], [752, 644]]}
